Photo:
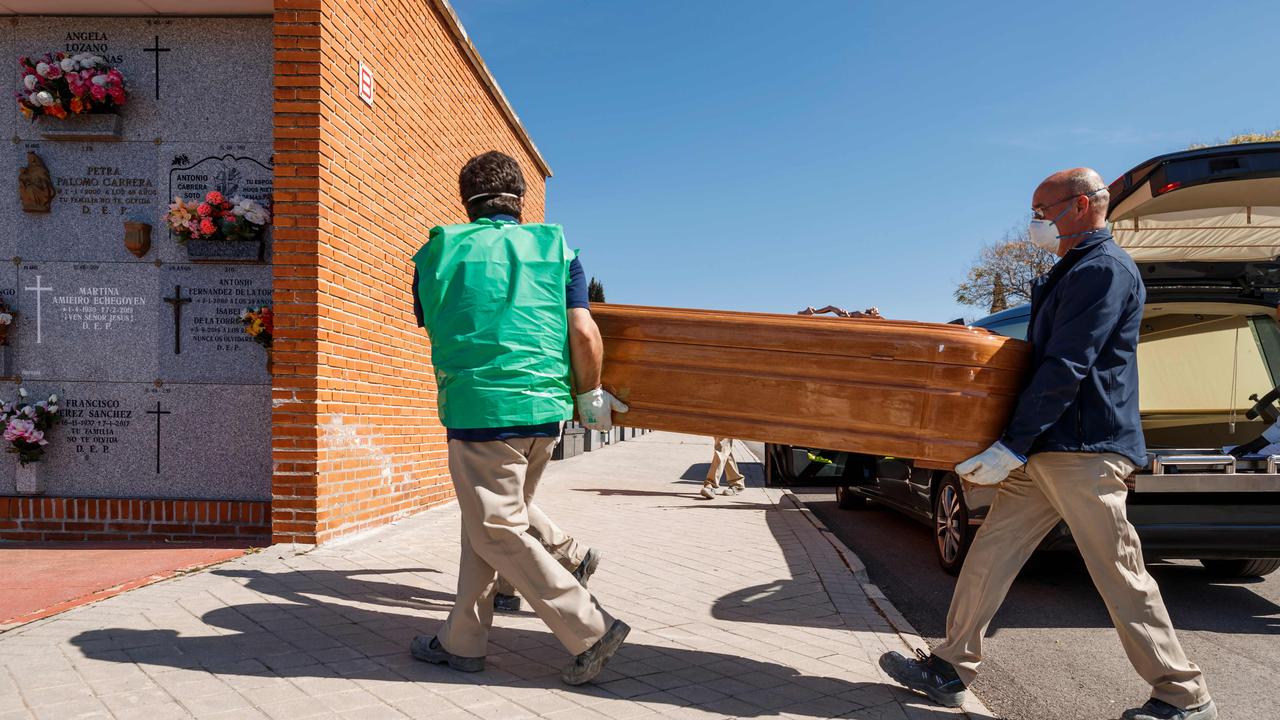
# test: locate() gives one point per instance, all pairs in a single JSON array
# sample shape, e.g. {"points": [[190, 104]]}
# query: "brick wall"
{"points": [[45, 518], [356, 440]]}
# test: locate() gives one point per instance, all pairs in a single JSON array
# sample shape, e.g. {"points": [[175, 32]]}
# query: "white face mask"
{"points": [[1044, 233]]}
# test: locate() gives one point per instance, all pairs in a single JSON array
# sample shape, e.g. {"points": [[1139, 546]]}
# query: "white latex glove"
{"points": [[991, 466], [596, 409]]}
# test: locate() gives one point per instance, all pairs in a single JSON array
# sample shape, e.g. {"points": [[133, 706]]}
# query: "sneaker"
{"points": [[433, 652], [927, 674], [735, 489], [1161, 710], [709, 492], [506, 603], [589, 664], [587, 567]]}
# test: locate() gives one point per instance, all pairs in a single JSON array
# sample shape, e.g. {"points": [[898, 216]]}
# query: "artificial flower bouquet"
{"points": [[217, 218], [61, 85], [259, 323], [26, 425]]}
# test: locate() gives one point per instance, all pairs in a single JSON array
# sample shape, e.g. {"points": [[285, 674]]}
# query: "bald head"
{"points": [[1076, 200]]}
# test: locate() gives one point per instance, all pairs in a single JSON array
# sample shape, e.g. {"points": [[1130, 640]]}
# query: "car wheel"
{"points": [[849, 499], [1241, 568], [952, 533]]}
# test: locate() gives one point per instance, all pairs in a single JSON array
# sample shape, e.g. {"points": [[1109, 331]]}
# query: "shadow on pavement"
{"points": [[310, 636]]}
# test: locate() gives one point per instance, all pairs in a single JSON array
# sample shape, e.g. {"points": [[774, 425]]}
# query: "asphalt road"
{"points": [[1051, 651]]}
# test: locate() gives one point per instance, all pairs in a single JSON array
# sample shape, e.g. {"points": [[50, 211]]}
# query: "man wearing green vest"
{"points": [[505, 339]]}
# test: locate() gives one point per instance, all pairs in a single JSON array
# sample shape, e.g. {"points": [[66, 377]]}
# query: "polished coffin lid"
{"points": [[929, 392]]}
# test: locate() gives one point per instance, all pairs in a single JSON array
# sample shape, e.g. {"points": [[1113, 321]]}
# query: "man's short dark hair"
{"points": [[484, 177]]}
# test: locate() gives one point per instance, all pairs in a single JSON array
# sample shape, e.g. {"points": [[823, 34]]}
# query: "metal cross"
{"points": [[158, 412], [157, 50], [40, 290], [177, 301]]}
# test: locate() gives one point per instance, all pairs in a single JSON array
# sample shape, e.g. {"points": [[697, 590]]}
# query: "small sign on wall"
{"points": [[366, 84]]}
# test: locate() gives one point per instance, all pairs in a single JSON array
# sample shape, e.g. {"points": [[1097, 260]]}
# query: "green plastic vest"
{"points": [[493, 301]]}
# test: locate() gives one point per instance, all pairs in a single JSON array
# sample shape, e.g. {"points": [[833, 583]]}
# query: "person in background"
{"points": [[722, 459], [508, 339], [1074, 438]]}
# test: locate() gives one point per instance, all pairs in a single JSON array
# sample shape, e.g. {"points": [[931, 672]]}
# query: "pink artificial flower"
{"points": [[55, 71], [19, 429], [98, 92], [214, 198], [194, 227], [117, 95], [115, 76], [207, 227], [204, 209]]}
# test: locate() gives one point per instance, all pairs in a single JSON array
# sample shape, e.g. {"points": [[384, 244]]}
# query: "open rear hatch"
{"points": [[1204, 227], [1219, 204]]}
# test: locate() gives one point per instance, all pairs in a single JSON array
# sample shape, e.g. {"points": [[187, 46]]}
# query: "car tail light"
{"points": [[1170, 186]]}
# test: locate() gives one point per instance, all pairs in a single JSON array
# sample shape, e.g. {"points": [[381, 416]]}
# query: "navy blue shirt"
{"points": [[575, 297], [1082, 394]]}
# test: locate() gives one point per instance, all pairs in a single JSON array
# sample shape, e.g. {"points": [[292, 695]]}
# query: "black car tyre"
{"points": [[952, 533], [1241, 568], [849, 499]]}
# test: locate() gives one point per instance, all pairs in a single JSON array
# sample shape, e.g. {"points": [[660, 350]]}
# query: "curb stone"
{"points": [[973, 707]]}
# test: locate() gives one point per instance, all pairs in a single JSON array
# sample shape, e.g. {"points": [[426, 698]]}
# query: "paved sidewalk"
{"points": [[741, 607]]}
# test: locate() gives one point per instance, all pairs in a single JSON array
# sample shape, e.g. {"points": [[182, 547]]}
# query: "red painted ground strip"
{"points": [[42, 579]]}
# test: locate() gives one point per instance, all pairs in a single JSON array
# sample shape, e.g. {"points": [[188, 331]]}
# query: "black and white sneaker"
{"points": [[506, 603], [1160, 710], [588, 664], [926, 674], [587, 567], [429, 649]]}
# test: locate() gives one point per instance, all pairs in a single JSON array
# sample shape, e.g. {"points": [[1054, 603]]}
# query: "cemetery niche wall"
{"points": [[135, 328]]}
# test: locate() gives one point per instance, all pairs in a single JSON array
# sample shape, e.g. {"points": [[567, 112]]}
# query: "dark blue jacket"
{"points": [[1082, 393]]}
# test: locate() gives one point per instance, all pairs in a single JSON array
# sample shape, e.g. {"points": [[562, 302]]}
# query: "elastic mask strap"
{"points": [[481, 196]]}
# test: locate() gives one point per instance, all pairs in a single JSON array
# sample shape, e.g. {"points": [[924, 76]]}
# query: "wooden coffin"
{"points": [[930, 392]]}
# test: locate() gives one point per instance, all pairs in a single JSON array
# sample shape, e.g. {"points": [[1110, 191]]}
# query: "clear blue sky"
{"points": [[738, 156]]}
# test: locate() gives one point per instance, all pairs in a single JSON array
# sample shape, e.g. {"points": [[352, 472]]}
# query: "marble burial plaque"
{"points": [[210, 344], [205, 79], [191, 170], [88, 321], [175, 441], [99, 187], [9, 293]]}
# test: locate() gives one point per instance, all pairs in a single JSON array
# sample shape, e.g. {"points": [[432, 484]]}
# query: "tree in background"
{"points": [[595, 291], [1002, 275], [1244, 138]]}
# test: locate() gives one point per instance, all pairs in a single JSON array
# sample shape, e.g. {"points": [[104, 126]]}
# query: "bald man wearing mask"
{"points": [[1074, 438]]}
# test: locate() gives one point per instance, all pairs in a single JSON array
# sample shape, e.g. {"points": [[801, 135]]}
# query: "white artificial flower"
{"points": [[99, 80], [44, 98], [29, 82], [22, 392], [67, 65], [28, 411], [6, 318], [42, 69], [53, 409], [42, 404], [97, 61], [53, 398]]}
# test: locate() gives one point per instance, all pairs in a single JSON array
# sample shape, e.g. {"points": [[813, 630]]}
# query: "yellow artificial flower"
{"points": [[255, 327]]}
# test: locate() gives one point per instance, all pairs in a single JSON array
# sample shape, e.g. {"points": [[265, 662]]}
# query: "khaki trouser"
{"points": [[562, 546], [494, 482], [1087, 490], [723, 460]]}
